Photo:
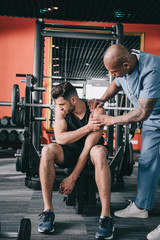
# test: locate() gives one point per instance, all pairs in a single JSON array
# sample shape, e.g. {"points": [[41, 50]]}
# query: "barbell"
{"points": [[16, 102], [52, 106], [18, 117]]}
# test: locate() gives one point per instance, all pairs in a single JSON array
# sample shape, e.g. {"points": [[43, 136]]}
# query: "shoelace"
{"points": [[46, 216], [127, 208], [103, 221]]}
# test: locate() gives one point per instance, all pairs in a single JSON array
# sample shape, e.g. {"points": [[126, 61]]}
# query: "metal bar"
{"points": [[36, 105], [23, 80], [50, 106], [55, 77], [62, 78], [78, 27], [5, 104], [26, 104], [65, 62], [120, 108], [17, 154], [39, 119], [120, 32], [79, 35], [39, 89], [20, 75], [38, 74]]}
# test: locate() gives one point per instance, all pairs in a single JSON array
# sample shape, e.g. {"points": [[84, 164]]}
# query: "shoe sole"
{"points": [[138, 216], [108, 238], [102, 238], [45, 231]]}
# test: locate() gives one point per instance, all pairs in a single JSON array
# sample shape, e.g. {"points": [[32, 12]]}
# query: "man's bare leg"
{"points": [[51, 154], [102, 176]]}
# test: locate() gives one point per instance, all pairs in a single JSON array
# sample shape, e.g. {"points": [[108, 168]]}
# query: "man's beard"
{"points": [[72, 108]]}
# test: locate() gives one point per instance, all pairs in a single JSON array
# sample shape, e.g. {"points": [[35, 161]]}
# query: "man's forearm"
{"points": [[133, 116], [72, 136], [80, 165], [111, 91], [91, 140], [141, 113]]}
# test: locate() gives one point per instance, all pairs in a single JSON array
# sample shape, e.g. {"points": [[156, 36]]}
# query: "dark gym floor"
{"points": [[17, 201]]}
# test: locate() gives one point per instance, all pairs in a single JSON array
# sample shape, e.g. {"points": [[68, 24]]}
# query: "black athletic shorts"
{"points": [[71, 155]]}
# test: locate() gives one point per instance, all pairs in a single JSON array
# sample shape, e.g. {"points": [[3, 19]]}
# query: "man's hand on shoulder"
{"points": [[95, 103], [94, 122], [102, 118], [98, 111]]}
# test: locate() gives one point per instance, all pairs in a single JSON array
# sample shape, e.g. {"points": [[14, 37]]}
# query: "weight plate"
{"points": [[21, 118], [24, 232], [27, 109], [71, 199], [3, 136], [20, 137], [18, 161], [79, 208], [21, 122], [18, 167], [15, 101], [5, 121], [128, 162], [24, 160], [33, 183], [12, 136]]}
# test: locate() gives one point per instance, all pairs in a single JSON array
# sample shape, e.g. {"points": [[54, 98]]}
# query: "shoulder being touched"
{"points": [[99, 111]]}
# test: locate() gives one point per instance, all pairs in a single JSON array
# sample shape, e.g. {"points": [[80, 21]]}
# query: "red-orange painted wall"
{"points": [[17, 49]]}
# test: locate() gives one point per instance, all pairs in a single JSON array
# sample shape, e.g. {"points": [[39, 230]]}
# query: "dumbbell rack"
{"points": [[10, 137]]}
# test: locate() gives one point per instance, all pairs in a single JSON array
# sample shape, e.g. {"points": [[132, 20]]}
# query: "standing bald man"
{"points": [[138, 74]]}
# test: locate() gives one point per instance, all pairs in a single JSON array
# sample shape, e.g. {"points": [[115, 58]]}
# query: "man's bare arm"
{"points": [[67, 184], [111, 91], [142, 112], [65, 137]]}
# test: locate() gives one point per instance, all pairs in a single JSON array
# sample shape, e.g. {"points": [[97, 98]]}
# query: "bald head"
{"points": [[116, 55], [119, 61]]}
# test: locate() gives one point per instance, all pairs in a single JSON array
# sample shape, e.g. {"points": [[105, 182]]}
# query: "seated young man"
{"points": [[77, 136]]}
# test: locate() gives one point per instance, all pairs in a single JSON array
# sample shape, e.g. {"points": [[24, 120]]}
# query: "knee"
{"points": [[48, 153], [98, 155]]}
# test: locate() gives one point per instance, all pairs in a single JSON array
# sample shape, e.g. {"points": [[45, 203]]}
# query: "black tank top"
{"points": [[74, 123]]}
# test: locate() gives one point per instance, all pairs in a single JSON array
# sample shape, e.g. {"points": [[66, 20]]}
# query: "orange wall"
{"points": [[16, 54], [17, 49]]}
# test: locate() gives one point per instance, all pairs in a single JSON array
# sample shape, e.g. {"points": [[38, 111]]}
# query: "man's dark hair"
{"points": [[65, 90]]}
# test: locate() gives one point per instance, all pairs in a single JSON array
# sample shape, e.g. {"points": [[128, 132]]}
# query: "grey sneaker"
{"points": [[131, 211], [46, 224], [155, 234]]}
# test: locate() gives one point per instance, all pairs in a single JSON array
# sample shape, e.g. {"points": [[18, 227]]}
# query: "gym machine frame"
{"points": [[29, 157]]}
